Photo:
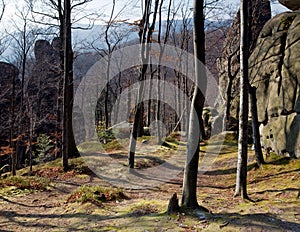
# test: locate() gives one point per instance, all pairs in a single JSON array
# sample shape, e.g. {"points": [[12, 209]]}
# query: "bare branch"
{"points": [[80, 4], [2, 10]]}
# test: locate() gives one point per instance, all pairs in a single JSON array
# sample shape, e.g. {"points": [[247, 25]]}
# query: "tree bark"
{"points": [[189, 193], [145, 36], [241, 177], [69, 146], [255, 128], [59, 110], [12, 126]]}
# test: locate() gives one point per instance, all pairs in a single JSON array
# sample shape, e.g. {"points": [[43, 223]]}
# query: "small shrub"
{"points": [[112, 145], [96, 195], [49, 172], [79, 166], [43, 147], [29, 183], [104, 135], [173, 138], [143, 209]]}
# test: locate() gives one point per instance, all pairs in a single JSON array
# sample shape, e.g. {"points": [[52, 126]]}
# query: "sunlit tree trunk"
{"points": [[189, 193], [12, 126], [145, 37], [241, 177], [255, 128], [69, 146]]}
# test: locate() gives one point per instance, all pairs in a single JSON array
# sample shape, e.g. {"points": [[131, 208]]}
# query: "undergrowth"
{"points": [[96, 195], [28, 183]]}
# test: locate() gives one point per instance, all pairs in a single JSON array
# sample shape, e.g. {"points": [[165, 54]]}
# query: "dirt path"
{"points": [[273, 189]]}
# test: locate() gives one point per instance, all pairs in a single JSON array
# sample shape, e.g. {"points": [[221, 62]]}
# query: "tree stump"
{"points": [[173, 206]]}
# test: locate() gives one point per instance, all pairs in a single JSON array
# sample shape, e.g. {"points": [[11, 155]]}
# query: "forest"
{"points": [[150, 115]]}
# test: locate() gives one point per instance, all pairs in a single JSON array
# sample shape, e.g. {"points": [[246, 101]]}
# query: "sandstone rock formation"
{"points": [[228, 64], [291, 4], [10, 95], [275, 72], [43, 84]]}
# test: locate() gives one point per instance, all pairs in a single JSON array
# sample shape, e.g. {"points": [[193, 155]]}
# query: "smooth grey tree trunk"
{"points": [[255, 128], [145, 37], [241, 177], [189, 192], [12, 127]]}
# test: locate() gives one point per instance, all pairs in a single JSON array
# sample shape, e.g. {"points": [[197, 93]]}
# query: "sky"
{"points": [[130, 10]]}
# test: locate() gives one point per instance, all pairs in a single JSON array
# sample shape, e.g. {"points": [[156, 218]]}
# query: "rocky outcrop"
{"points": [[275, 72], [10, 94], [291, 4], [43, 84], [228, 64]]}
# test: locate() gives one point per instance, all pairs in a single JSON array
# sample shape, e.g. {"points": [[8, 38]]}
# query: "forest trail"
{"points": [[273, 189]]}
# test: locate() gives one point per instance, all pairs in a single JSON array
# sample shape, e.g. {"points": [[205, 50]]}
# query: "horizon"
{"points": [[127, 14]]}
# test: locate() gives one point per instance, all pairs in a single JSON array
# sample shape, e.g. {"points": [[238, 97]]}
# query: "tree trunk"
{"points": [[60, 97], [69, 146], [145, 37], [32, 125], [241, 177], [149, 113], [173, 206], [189, 193], [106, 113], [12, 126], [255, 128], [228, 105]]}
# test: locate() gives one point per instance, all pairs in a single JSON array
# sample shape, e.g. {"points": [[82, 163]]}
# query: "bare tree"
{"points": [[255, 127], [4, 41], [23, 40], [57, 14], [189, 192], [145, 34], [241, 178], [113, 37], [3, 5]]}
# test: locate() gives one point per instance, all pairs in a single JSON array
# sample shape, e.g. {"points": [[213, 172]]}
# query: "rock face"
{"points": [[291, 4], [9, 97], [275, 72], [43, 84], [228, 64]]}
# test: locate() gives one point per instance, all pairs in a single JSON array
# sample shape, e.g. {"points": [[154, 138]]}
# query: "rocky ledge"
{"points": [[275, 72]]}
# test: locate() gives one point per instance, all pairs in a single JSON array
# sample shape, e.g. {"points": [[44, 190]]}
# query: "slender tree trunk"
{"points": [[137, 118], [241, 177], [59, 102], [255, 128], [12, 126], [145, 36], [106, 113], [149, 104], [22, 81], [129, 101], [189, 193], [69, 146], [158, 108], [32, 125], [231, 77], [65, 137], [228, 105]]}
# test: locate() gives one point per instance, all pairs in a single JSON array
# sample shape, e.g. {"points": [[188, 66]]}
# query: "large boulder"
{"points": [[291, 4], [43, 84], [275, 72], [10, 93], [229, 64]]}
